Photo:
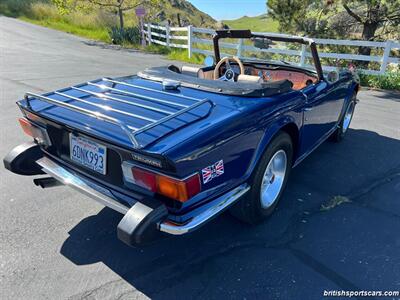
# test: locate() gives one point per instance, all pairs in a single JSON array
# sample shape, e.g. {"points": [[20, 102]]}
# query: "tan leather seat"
{"points": [[249, 79], [192, 71]]}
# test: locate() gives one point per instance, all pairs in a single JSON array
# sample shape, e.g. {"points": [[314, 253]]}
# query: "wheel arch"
{"points": [[288, 125]]}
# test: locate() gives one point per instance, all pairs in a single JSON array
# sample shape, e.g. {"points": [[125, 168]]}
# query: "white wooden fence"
{"points": [[189, 37]]}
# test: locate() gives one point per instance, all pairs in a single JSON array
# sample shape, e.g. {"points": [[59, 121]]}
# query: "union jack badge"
{"points": [[215, 170]]}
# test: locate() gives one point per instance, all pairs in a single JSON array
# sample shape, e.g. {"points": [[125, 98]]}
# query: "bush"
{"points": [[128, 35], [43, 11], [390, 81], [16, 8]]}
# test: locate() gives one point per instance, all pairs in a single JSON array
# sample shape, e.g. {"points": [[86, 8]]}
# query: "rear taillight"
{"points": [[38, 133], [144, 179], [177, 189]]}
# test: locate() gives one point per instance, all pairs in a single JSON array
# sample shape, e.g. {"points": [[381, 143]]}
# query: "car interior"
{"points": [[233, 69]]}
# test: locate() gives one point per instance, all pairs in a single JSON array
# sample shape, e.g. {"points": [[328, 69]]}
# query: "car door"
{"points": [[321, 112]]}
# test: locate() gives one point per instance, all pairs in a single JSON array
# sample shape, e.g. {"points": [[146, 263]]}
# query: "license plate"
{"points": [[88, 153]]}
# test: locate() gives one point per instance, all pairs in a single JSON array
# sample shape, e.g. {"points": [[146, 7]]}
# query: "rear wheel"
{"points": [[268, 181], [344, 123]]}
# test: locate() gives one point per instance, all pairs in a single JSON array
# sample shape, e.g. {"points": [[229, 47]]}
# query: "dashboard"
{"points": [[299, 79]]}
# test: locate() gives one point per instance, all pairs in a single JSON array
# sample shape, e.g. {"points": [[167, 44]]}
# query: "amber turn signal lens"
{"points": [[171, 188], [181, 190]]}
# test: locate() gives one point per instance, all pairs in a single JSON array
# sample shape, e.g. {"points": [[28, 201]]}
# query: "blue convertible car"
{"points": [[171, 148]]}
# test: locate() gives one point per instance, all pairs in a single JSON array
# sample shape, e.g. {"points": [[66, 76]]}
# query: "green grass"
{"points": [[259, 23], [182, 55], [100, 34], [174, 54]]}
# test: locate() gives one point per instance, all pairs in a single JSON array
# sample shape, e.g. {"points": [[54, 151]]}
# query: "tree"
{"points": [[293, 15], [374, 19], [121, 6], [372, 15], [116, 6]]}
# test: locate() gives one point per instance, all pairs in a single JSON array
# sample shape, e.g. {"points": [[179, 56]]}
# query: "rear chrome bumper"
{"points": [[139, 213], [219, 205], [93, 191]]}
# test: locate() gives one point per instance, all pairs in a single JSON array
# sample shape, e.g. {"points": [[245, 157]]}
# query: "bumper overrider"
{"points": [[142, 222]]}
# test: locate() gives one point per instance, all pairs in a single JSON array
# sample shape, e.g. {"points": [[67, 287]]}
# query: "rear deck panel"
{"points": [[129, 112]]}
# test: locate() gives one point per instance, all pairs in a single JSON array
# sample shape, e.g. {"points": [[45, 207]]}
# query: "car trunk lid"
{"points": [[131, 112]]}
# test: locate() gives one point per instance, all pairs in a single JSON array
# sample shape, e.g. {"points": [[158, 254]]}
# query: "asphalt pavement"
{"points": [[337, 227]]}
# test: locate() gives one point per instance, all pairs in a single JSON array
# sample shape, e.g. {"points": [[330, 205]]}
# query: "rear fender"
{"points": [[269, 134], [354, 87]]}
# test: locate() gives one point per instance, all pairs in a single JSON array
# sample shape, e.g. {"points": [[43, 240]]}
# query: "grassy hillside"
{"points": [[258, 23], [175, 11], [188, 13], [95, 23]]}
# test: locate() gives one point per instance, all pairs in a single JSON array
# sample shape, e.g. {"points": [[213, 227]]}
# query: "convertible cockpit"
{"points": [[234, 70], [244, 77]]}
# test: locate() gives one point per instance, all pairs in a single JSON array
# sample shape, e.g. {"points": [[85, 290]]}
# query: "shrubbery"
{"points": [[389, 81], [130, 35]]}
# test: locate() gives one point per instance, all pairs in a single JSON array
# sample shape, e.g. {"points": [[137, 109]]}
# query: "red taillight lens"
{"points": [[180, 190], [145, 179]]}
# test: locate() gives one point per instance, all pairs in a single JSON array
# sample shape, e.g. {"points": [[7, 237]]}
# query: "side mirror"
{"points": [[209, 61], [332, 76]]}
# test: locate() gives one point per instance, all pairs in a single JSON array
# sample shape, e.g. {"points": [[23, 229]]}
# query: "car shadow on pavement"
{"points": [[228, 258]]}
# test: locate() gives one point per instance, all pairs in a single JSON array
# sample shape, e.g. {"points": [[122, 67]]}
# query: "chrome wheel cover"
{"points": [[347, 117], [273, 179]]}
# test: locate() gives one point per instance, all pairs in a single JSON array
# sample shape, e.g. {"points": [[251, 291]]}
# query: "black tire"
{"points": [[249, 209], [338, 135]]}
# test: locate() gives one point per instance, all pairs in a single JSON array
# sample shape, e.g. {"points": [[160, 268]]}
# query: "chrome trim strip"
{"points": [[150, 89], [67, 178], [221, 204], [103, 97], [138, 95]]}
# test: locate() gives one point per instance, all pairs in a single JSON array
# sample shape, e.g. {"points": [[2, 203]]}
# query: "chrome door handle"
{"points": [[308, 109]]}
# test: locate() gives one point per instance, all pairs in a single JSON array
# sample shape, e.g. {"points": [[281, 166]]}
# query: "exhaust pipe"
{"points": [[46, 182]]}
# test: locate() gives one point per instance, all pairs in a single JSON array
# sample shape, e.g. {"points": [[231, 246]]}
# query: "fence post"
{"points": [[385, 57], [239, 48], [189, 40], [303, 55], [167, 32], [149, 33]]}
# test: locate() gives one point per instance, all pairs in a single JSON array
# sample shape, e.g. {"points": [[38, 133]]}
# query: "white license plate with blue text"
{"points": [[88, 153]]}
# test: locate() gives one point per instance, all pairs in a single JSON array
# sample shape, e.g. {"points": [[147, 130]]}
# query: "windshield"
{"points": [[277, 48]]}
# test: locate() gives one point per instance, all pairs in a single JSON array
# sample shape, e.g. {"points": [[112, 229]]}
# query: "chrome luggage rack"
{"points": [[130, 131]]}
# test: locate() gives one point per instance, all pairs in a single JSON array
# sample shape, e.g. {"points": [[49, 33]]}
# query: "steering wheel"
{"points": [[229, 73]]}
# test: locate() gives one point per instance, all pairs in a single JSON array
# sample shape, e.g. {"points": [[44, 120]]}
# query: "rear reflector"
{"points": [[26, 126], [180, 190]]}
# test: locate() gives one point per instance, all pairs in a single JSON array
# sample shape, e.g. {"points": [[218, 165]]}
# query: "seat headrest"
{"points": [[192, 71], [249, 79]]}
